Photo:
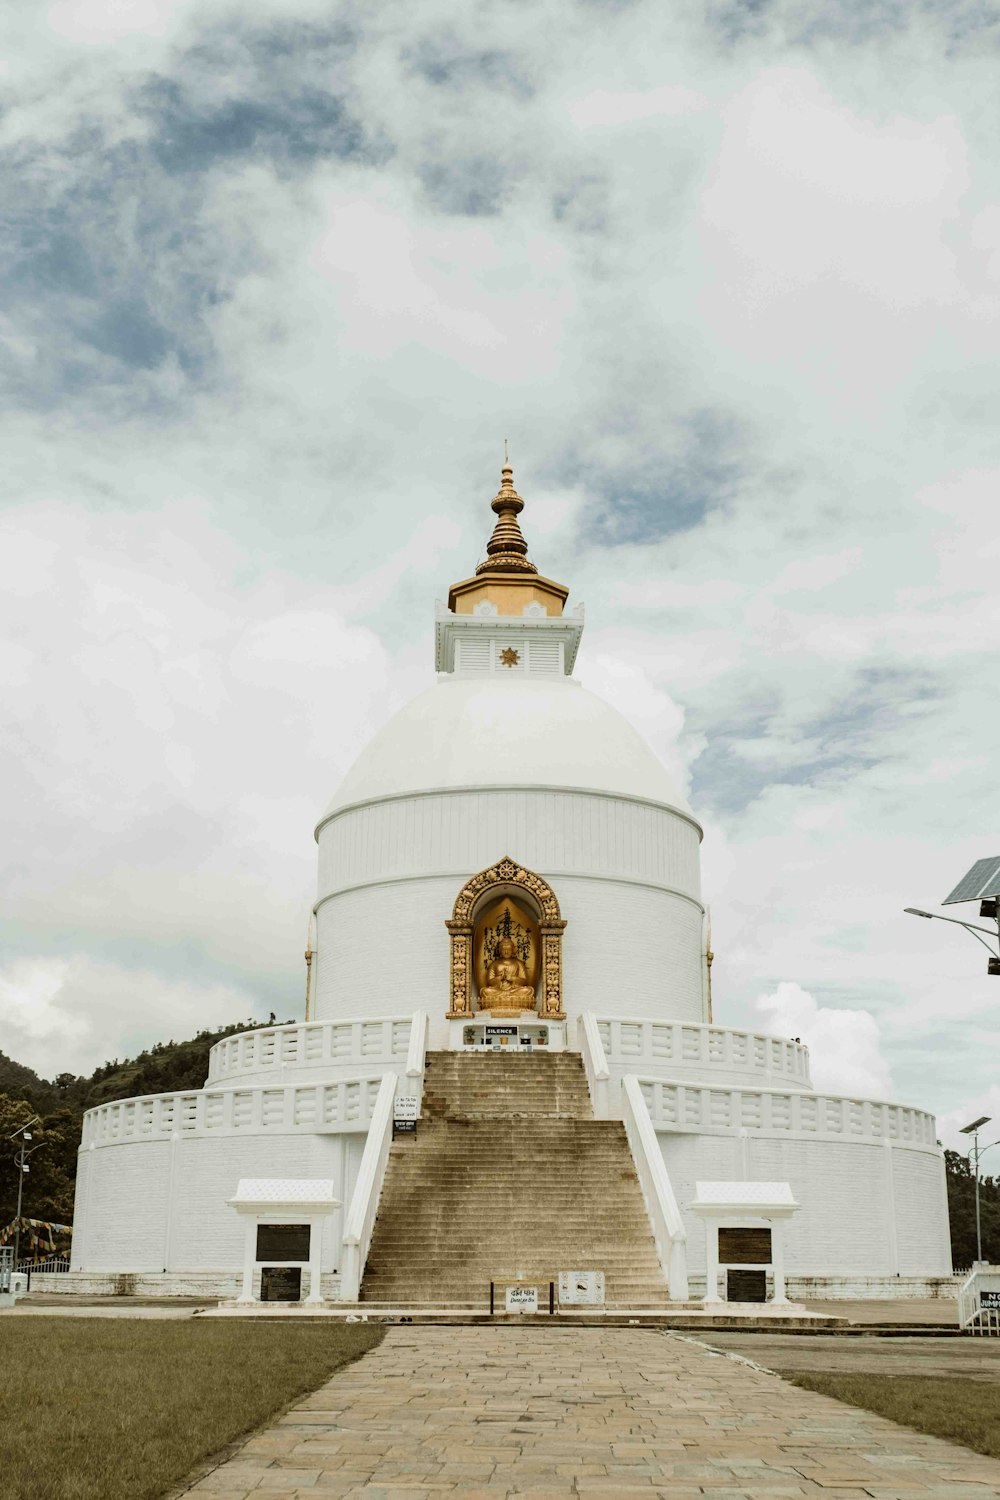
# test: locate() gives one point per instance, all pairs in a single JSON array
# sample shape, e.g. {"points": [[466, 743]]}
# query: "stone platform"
{"points": [[733, 1315]]}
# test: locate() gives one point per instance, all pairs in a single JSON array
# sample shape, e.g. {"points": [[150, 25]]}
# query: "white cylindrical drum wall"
{"points": [[625, 873]]}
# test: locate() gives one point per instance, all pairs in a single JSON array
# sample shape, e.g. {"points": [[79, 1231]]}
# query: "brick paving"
{"points": [[489, 1412]]}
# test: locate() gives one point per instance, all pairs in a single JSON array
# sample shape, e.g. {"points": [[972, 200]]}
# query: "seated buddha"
{"points": [[506, 991]]}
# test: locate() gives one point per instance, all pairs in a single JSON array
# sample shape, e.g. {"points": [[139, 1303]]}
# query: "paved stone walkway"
{"points": [[595, 1412]]}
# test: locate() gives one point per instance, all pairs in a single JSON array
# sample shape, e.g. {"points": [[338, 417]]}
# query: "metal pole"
{"points": [[19, 1159], [979, 1230]]}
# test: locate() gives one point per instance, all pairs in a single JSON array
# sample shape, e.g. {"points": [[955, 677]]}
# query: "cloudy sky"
{"points": [[279, 279]]}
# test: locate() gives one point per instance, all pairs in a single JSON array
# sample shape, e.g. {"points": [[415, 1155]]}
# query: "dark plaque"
{"points": [[746, 1286], [744, 1247], [281, 1284], [404, 1127], [282, 1242], [990, 1300]]}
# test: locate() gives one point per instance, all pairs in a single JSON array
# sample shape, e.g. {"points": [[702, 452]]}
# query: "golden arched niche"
{"points": [[507, 919], [479, 905]]}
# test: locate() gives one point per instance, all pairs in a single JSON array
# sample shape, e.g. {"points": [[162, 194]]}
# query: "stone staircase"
{"points": [[509, 1175]]}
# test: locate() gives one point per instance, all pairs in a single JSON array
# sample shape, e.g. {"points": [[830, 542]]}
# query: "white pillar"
{"points": [[778, 1261], [249, 1258], [712, 1261], [315, 1260]]}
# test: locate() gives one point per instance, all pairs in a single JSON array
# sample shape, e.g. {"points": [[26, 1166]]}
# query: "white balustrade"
{"points": [[311, 1044], [416, 1053], [654, 1180], [694, 1048], [360, 1219], [595, 1064], [316, 1108], [699, 1108]]}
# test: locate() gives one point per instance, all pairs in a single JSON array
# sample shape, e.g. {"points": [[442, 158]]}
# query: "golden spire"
{"points": [[506, 550], [507, 583]]}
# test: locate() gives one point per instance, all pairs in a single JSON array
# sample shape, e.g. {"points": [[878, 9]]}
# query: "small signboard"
{"points": [[500, 1030], [522, 1299], [6, 1267], [584, 1288], [281, 1284], [989, 1299], [744, 1247], [746, 1286], [405, 1111], [283, 1242]]}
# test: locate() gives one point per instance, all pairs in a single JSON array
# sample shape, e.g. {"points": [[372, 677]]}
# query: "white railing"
{"points": [[344, 1105], [367, 1191], [699, 1108], [311, 1043], [704, 1050], [973, 1317], [595, 1064], [654, 1180], [416, 1052]]}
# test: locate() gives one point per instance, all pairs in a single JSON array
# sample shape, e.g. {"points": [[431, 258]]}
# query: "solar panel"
{"points": [[982, 880]]}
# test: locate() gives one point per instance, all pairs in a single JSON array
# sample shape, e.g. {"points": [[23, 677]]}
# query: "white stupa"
{"points": [[509, 867]]}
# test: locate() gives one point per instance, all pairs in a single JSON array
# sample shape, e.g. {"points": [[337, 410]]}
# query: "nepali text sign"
{"points": [[522, 1299]]}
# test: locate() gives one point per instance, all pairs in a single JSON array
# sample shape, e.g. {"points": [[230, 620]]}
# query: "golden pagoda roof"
{"points": [[507, 579]]}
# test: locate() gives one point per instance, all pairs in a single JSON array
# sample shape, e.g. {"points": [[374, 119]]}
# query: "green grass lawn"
{"points": [[101, 1409], [964, 1411]]}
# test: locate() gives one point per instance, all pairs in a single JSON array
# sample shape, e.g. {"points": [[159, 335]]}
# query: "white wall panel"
{"points": [[462, 832], [163, 1205], [627, 949], [849, 1220]]}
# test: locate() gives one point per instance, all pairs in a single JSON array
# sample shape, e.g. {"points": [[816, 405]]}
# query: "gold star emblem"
{"points": [[509, 656]]}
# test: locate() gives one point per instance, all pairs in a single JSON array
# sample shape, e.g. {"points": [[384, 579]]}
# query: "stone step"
{"points": [[509, 1175]]}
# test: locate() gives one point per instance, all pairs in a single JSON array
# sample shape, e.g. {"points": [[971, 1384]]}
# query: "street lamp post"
{"points": [[22, 1135], [975, 1153]]}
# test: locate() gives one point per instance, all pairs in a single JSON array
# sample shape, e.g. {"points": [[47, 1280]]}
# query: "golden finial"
{"points": [[506, 549]]}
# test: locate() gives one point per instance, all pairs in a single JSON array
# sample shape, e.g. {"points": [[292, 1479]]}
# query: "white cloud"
{"points": [[744, 326], [844, 1045], [70, 1015], [605, 108]]}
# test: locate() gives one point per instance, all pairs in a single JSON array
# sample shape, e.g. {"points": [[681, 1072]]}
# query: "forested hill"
{"points": [[61, 1102]]}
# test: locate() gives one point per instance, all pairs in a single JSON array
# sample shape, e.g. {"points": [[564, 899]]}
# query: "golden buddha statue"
{"points": [[506, 991]]}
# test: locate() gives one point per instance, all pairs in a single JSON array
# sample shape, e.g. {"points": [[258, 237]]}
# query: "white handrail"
{"points": [[973, 1317], [661, 1205], [367, 1191], [595, 1064], [417, 1049]]}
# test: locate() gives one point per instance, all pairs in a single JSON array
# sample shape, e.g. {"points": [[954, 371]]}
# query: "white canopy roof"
{"points": [[284, 1194], [761, 1200]]}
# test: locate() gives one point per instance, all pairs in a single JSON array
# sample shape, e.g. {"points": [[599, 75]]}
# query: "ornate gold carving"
{"points": [[507, 872], [461, 990], [509, 656]]}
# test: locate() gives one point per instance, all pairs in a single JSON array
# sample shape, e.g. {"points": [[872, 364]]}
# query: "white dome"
{"points": [[502, 732]]}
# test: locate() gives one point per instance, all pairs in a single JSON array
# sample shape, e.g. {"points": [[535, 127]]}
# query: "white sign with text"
{"points": [[522, 1299]]}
